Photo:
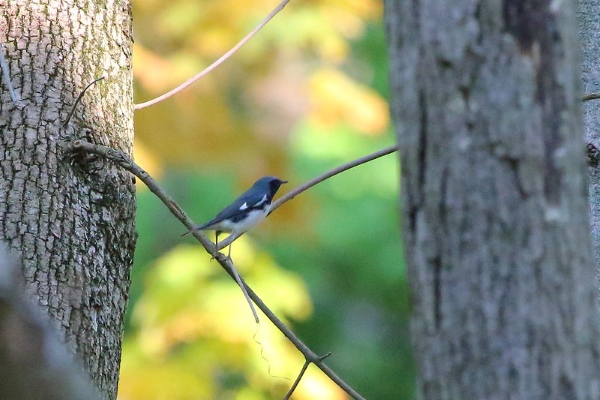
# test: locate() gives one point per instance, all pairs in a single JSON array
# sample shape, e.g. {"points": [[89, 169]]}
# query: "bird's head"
{"points": [[269, 184]]}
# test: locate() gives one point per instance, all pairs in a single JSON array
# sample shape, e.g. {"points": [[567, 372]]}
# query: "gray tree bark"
{"points": [[589, 30], [70, 220], [487, 110]]}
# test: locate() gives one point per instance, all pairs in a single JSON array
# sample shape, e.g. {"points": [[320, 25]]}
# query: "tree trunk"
{"points": [[70, 220], [486, 103], [589, 26]]}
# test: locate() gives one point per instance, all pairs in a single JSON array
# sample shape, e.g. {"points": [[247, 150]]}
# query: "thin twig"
{"points": [[293, 193], [299, 344], [238, 280], [591, 96], [78, 99], [125, 162], [6, 74], [301, 374], [216, 63]]}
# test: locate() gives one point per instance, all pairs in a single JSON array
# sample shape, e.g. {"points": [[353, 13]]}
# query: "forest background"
{"points": [[306, 94]]}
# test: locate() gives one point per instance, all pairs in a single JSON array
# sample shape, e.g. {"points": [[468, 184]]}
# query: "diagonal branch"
{"points": [[370, 157], [128, 164], [301, 374], [125, 162], [216, 63]]}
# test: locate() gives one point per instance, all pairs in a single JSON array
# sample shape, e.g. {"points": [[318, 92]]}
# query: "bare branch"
{"points": [[293, 193], [591, 96], [121, 159], [78, 99], [128, 164], [301, 374], [216, 63]]}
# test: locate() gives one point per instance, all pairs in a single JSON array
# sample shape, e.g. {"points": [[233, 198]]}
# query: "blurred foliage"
{"points": [[307, 94]]}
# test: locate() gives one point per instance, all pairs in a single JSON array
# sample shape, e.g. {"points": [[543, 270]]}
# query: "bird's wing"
{"points": [[237, 210]]}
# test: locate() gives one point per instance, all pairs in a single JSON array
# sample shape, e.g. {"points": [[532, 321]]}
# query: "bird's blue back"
{"points": [[251, 197]]}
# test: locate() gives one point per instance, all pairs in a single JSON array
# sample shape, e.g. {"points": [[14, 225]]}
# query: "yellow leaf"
{"points": [[335, 99]]}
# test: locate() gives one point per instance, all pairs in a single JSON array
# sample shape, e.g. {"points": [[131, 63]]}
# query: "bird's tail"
{"points": [[190, 231]]}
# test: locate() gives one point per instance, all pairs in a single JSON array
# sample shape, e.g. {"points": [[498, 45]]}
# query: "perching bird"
{"points": [[246, 211]]}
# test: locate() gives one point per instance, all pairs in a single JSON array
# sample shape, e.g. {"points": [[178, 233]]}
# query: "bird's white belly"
{"points": [[253, 218]]}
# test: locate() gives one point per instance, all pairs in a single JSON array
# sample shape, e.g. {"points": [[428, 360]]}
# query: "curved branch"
{"points": [[216, 63], [293, 193], [78, 99]]}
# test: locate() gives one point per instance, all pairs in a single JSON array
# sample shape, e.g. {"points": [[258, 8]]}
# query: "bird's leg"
{"points": [[217, 233]]}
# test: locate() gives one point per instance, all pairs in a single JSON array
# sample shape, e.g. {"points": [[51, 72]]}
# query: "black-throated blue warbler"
{"points": [[246, 211]]}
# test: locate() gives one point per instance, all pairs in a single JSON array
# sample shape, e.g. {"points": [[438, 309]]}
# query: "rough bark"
{"points": [[70, 220], [589, 27], [486, 105]]}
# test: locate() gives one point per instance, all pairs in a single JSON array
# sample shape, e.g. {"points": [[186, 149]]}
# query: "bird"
{"points": [[245, 212]]}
